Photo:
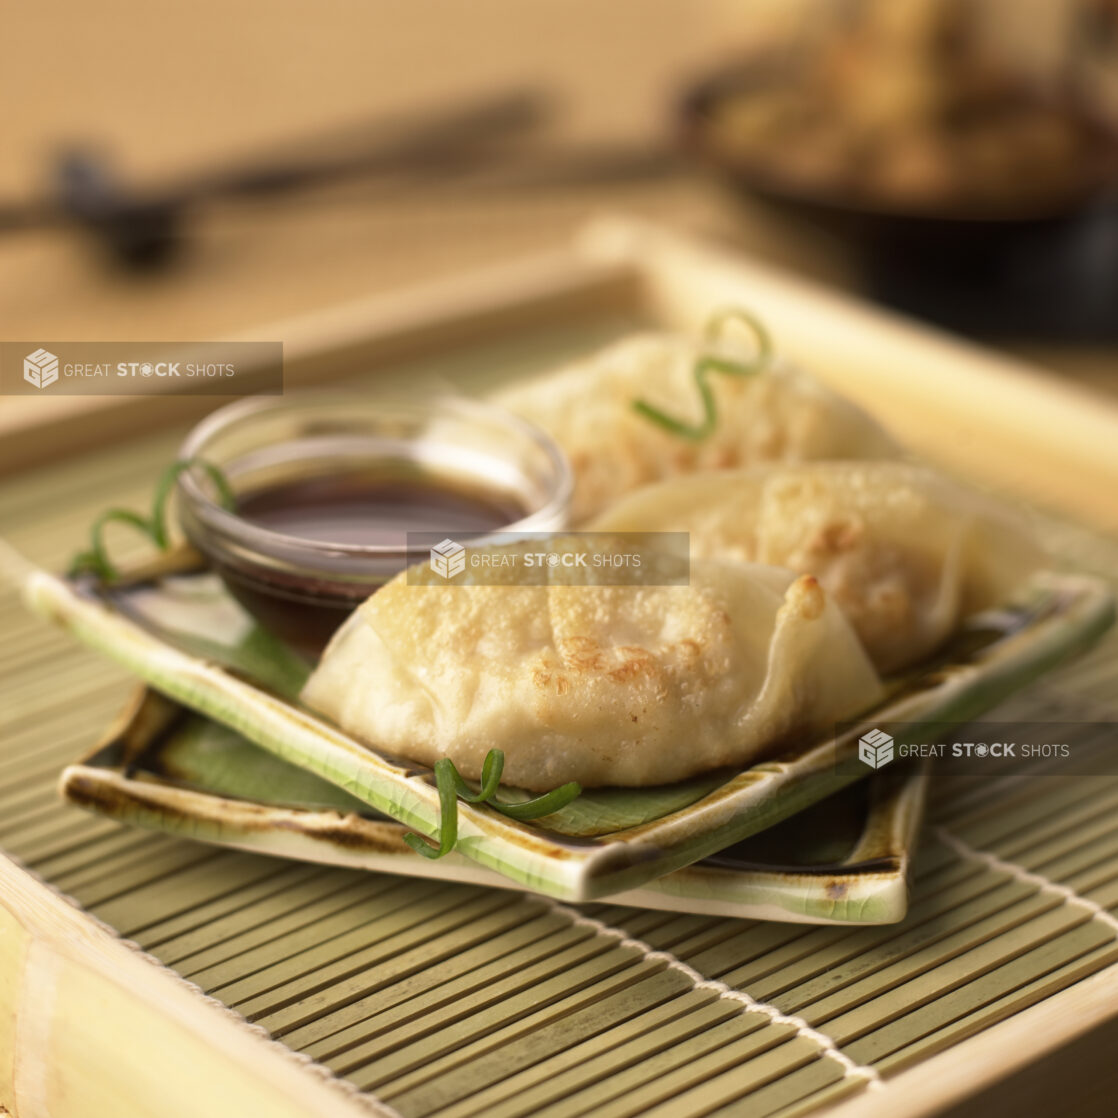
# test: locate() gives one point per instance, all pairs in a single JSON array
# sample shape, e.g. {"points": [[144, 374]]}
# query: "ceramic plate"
{"points": [[187, 638], [163, 766]]}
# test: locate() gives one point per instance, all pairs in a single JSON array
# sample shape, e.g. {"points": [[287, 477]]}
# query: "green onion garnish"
{"points": [[549, 802], [451, 785], [707, 364], [96, 560], [446, 780]]}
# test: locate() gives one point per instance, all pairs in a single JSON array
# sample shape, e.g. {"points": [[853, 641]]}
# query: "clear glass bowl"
{"points": [[302, 588]]}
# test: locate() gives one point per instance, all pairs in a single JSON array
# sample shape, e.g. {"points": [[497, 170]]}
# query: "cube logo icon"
{"points": [[40, 368], [875, 748], [448, 558]]}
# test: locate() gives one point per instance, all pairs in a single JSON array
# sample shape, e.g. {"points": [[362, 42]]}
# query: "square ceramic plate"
{"points": [[165, 767], [186, 637]]}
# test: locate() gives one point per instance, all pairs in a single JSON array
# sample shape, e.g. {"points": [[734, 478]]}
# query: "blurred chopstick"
{"points": [[519, 172], [427, 142], [470, 149], [417, 143]]}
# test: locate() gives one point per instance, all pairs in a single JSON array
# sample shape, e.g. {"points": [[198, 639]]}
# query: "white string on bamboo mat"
{"points": [[1020, 873], [699, 981]]}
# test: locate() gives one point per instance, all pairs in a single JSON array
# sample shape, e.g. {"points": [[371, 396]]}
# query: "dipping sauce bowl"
{"points": [[328, 486]]}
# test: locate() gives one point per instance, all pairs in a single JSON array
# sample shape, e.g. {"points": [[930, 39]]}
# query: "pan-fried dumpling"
{"points": [[904, 553], [779, 414], [606, 685]]}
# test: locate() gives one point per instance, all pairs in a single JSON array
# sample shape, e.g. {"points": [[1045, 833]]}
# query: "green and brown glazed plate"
{"points": [[165, 767], [186, 638]]}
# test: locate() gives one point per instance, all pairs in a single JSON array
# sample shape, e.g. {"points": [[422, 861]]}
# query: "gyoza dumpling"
{"points": [[779, 414], [904, 553], [606, 685]]}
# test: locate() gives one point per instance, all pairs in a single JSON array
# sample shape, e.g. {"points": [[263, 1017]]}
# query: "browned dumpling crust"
{"points": [[903, 552], [606, 685]]}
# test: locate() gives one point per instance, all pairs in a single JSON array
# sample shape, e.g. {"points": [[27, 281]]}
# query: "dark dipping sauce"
{"points": [[370, 508]]}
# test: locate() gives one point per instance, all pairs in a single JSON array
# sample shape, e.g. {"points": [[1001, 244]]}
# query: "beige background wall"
{"points": [[172, 87]]}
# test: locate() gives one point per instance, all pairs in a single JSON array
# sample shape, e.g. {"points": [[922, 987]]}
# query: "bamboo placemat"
{"points": [[456, 1001]]}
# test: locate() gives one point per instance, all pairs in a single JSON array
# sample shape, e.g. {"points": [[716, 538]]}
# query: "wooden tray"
{"points": [[449, 1000]]}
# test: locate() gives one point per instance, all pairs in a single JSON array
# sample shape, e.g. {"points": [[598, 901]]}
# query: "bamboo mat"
{"points": [[457, 1001]]}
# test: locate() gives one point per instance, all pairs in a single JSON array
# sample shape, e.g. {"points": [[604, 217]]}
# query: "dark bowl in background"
{"points": [[1035, 272]]}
